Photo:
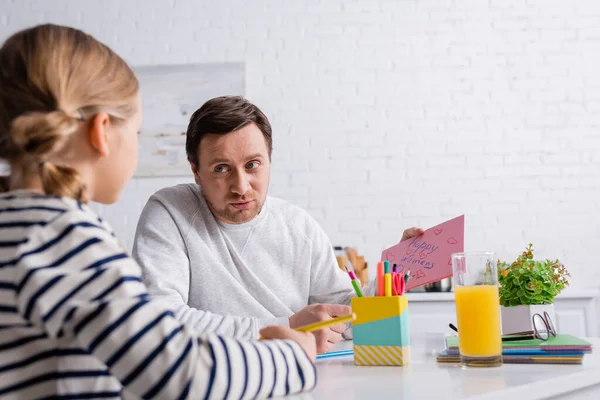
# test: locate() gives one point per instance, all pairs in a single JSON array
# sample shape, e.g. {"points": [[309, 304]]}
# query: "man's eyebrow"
{"points": [[225, 160], [218, 160]]}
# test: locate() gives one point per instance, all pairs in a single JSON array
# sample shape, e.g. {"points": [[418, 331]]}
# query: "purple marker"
{"points": [[395, 268]]}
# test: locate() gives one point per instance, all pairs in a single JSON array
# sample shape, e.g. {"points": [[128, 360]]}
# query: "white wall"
{"points": [[394, 113]]}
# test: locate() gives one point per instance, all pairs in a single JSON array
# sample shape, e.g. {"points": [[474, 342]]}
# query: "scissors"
{"points": [[543, 328]]}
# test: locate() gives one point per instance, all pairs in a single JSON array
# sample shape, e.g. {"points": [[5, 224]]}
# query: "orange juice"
{"points": [[478, 317]]}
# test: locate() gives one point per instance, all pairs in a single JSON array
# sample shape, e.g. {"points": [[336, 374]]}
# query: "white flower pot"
{"points": [[520, 318]]}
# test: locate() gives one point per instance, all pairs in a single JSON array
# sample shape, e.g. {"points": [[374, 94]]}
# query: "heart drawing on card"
{"points": [[408, 251], [420, 274], [451, 240], [390, 256], [437, 231], [422, 256]]}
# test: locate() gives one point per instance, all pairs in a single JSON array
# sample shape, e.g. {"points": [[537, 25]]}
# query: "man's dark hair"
{"points": [[223, 115]]}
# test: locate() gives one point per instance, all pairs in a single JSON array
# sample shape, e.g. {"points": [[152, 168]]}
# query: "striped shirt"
{"points": [[76, 321]]}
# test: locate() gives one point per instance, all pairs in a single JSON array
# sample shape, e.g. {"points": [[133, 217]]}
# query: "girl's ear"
{"points": [[98, 133]]}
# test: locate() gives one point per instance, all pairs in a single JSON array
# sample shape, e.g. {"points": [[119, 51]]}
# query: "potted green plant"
{"points": [[528, 287]]}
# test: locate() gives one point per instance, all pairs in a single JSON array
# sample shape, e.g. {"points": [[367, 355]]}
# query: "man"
{"points": [[227, 257]]}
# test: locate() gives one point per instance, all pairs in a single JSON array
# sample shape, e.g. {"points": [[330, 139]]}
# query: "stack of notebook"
{"points": [[560, 349]]}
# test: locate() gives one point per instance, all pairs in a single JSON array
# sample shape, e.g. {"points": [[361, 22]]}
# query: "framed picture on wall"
{"points": [[170, 95]]}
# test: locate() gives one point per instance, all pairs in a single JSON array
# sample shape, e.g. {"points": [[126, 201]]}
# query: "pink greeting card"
{"points": [[429, 256]]}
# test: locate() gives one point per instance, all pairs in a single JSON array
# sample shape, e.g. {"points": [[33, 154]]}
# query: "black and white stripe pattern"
{"points": [[76, 321]]}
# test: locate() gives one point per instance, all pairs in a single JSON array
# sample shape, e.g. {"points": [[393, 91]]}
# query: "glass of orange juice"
{"points": [[477, 308]]}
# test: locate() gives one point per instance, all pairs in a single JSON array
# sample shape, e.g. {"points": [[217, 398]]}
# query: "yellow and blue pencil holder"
{"points": [[380, 331]]}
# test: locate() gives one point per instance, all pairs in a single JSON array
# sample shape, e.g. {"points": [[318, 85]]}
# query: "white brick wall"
{"points": [[394, 113]]}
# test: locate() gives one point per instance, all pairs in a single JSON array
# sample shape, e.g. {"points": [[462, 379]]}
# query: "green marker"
{"points": [[357, 288], [354, 281]]}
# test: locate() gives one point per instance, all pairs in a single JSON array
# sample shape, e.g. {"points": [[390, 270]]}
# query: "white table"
{"points": [[339, 379]]}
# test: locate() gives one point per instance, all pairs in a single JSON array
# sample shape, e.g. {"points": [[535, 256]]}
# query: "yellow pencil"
{"points": [[320, 325], [324, 324]]}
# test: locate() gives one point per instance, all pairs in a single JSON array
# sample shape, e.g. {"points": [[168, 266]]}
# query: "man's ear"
{"points": [[98, 133], [196, 175]]}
